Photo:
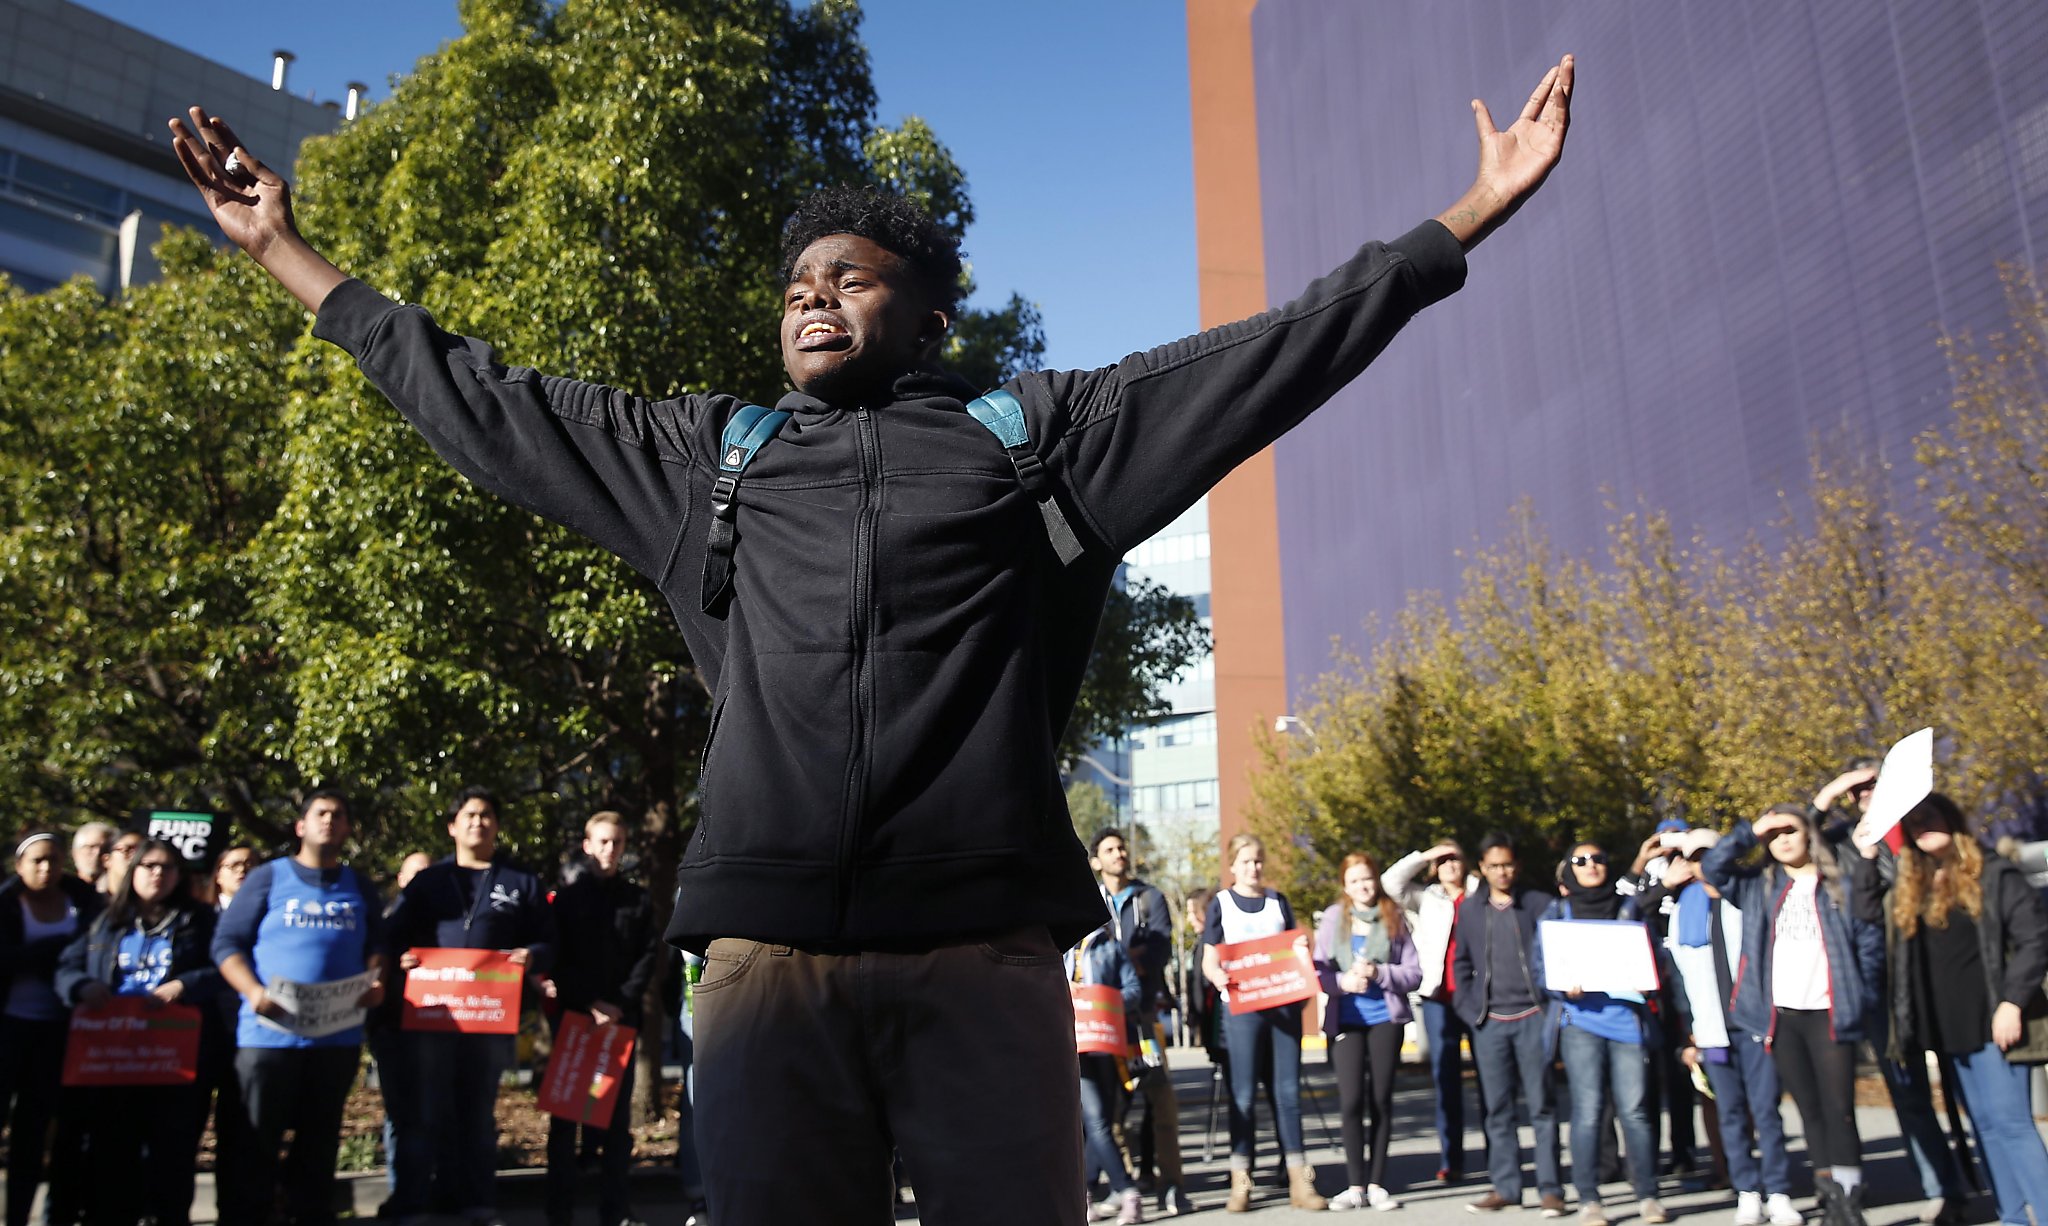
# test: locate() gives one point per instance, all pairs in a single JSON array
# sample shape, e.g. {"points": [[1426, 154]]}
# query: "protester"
{"points": [[1606, 1040], [474, 899], [1368, 964], [1143, 924], [1809, 984], [151, 941], [605, 955], [1969, 942], [1704, 940], [229, 872], [90, 845], [1430, 884], [882, 782], [307, 919], [42, 909], [1839, 803], [1497, 992], [1668, 1089], [1244, 912], [1100, 961], [120, 853], [391, 1052]]}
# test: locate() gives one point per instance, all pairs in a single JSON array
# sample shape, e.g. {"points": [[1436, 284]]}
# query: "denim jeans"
{"points": [[450, 1163], [1747, 1092], [2000, 1103], [1919, 1128], [1098, 1102], [1446, 1032], [1515, 1056], [1278, 1030], [398, 1084], [1598, 1067]]}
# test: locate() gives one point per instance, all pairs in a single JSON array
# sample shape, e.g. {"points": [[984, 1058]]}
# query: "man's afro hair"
{"points": [[889, 220]]}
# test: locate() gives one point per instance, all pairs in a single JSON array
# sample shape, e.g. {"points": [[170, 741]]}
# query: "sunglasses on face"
{"points": [[1598, 857]]}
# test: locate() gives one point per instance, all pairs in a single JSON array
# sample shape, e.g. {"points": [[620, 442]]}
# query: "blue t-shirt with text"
{"points": [[302, 924]]}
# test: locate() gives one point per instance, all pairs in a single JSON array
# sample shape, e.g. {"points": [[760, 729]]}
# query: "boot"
{"points": [[1832, 1201], [1852, 1206], [1301, 1189], [1240, 1192]]}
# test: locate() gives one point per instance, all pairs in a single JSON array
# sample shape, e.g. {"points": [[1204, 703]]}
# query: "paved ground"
{"points": [[1894, 1189]]}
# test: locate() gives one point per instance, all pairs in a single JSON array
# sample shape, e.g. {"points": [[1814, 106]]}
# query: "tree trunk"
{"points": [[673, 718]]}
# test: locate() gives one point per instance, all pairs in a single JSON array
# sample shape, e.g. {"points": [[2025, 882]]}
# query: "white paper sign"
{"points": [[314, 1010], [1904, 780], [1598, 956]]}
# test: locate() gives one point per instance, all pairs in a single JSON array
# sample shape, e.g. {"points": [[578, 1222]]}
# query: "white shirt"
{"points": [[1799, 961]]}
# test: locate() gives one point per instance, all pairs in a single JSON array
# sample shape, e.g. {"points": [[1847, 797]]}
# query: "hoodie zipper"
{"points": [[862, 698]]}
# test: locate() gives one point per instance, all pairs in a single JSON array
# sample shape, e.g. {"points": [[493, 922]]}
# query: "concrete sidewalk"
{"points": [[1893, 1187]]}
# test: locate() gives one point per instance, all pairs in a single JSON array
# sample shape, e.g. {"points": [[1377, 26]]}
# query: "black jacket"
{"points": [[903, 648], [507, 911], [2012, 934], [39, 958], [1471, 966], [90, 957], [604, 944]]}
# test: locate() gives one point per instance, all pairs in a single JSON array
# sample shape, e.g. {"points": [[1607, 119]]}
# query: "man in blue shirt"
{"points": [[308, 919]]}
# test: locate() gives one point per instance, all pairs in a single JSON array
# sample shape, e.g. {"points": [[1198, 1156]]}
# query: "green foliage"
{"points": [[1091, 808], [1558, 699]]}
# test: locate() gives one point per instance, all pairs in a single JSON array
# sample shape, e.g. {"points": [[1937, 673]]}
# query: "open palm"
{"points": [[1515, 162]]}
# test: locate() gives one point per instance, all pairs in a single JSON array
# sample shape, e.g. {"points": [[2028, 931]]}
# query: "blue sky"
{"points": [[1070, 118]]}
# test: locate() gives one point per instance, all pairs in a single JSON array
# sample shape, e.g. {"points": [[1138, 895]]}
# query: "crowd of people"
{"points": [[1773, 969], [132, 918]]}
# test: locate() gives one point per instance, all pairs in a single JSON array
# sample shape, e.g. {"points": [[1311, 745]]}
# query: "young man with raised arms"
{"points": [[894, 611]]}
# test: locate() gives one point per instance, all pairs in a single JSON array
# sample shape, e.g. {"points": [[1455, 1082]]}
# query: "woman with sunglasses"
{"points": [[41, 909], [1969, 942], [1807, 981], [1605, 1040], [152, 941], [1368, 965]]}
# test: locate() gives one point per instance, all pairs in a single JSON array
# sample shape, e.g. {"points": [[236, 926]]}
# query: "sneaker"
{"points": [[1381, 1199], [1942, 1211], [697, 1215], [1780, 1211], [1749, 1209], [1133, 1207], [1349, 1198], [1592, 1213], [1173, 1202], [1107, 1208], [1651, 1210], [1492, 1202], [1552, 1205]]}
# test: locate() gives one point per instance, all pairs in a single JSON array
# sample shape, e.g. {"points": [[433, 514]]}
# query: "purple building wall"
{"points": [[1767, 212]]}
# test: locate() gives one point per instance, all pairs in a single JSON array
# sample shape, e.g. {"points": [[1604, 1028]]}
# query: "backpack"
{"points": [[752, 426]]}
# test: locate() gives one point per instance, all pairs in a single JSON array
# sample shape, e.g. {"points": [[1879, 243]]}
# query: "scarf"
{"points": [[1695, 916], [1594, 902], [1368, 923]]}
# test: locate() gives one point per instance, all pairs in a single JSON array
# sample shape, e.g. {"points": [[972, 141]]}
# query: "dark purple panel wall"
{"points": [[1767, 211]]}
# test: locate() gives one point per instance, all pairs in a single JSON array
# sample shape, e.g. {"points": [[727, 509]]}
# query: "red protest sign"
{"points": [[474, 991], [1267, 972], [132, 1041], [585, 1068], [1099, 1020]]}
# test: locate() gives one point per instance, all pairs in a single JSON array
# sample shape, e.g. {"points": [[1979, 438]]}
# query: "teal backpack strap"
{"points": [[744, 435], [1003, 414]]}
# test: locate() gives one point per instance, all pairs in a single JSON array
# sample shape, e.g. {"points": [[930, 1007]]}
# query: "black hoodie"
{"points": [[903, 648]]}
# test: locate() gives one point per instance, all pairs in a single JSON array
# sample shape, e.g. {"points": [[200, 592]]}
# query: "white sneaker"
{"points": [[1349, 1198], [1749, 1209], [1781, 1212], [1107, 1208], [1381, 1199]]}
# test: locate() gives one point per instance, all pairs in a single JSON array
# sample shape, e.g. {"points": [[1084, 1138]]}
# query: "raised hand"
{"points": [[1515, 162], [253, 205]]}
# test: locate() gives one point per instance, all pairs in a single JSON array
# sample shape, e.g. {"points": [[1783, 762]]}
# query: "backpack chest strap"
{"points": [[750, 428], [1003, 414]]}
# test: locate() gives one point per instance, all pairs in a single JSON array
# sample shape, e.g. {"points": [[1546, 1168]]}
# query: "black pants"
{"points": [[31, 1065], [1820, 1074], [1365, 1058], [810, 1066], [302, 1090], [142, 1144], [617, 1162]]}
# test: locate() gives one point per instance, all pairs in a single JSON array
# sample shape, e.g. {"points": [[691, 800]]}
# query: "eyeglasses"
{"points": [[155, 866], [1598, 857], [234, 866]]}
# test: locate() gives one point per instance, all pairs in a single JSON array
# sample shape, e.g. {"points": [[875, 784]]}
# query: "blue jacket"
{"points": [[1854, 948]]}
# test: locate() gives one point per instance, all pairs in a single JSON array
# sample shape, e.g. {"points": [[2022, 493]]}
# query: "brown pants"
{"points": [[811, 1068]]}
